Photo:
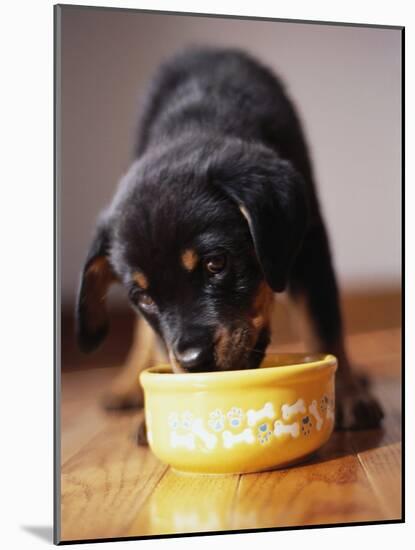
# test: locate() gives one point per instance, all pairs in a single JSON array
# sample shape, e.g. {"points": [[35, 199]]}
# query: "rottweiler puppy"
{"points": [[217, 212]]}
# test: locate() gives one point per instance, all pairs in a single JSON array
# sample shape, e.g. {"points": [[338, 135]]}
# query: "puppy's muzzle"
{"points": [[194, 353]]}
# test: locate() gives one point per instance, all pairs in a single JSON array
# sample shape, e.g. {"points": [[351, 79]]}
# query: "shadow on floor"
{"points": [[44, 532]]}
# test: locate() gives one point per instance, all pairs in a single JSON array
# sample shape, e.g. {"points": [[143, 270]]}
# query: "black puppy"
{"points": [[217, 212]]}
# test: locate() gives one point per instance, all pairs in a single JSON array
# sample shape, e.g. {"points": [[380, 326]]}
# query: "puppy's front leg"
{"points": [[125, 391], [142, 433], [313, 291]]}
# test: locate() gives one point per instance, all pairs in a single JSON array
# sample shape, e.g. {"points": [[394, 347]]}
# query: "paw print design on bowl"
{"points": [[186, 420], [216, 420], [323, 404], [306, 425], [235, 417], [264, 433], [174, 421]]}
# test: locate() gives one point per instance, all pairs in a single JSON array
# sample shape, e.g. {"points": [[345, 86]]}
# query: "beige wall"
{"points": [[346, 84]]}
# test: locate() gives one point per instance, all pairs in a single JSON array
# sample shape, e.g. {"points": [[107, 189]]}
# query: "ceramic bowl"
{"points": [[243, 420]]}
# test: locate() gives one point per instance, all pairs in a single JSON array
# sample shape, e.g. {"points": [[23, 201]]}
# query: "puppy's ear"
{"points": [[271, 196], [96, 278]]}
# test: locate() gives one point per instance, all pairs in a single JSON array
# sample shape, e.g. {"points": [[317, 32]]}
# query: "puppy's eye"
{"points": [[145, 301], [142, 299], [215, 264]]}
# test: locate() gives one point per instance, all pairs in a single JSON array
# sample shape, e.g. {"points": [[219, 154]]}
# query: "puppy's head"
{"points": [[200, 238]]}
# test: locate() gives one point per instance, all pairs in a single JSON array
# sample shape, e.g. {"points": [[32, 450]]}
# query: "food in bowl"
{"points": [[240, 421]]}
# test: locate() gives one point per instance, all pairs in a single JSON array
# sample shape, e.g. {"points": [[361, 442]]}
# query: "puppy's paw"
{"points": [[356, 407], [142, 440]]}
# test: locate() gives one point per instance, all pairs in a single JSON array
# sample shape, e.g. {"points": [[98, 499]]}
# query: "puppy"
{"points": [[217, 212]]}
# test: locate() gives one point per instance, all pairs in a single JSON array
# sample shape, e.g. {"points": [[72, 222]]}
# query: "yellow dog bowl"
{"points": [[240, 421]]}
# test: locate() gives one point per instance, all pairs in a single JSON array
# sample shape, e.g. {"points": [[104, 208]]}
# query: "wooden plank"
{"points": [[88, 421], [82, 417], [378, 353], [184, 503], [389, 393], [105, 484], [86, 385], [380, 452], [332, 488], [112, 488], [383, 468], [376, 344], [355, 477]]}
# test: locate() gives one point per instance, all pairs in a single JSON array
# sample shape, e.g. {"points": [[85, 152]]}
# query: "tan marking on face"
{"points": [[231, 346], [98, 278], [100, 275], [99, 266], [141, 280], [262, 307], [222, 339], [189, 259]]}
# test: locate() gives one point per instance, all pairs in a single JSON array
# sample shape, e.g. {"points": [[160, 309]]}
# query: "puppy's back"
{"points": [[222, 91]]}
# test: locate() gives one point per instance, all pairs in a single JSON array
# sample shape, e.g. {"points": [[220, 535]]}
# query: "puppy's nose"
{"points": [[189, 358], [192, 355]]}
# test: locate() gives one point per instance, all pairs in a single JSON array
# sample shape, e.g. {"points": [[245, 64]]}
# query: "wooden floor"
{"points": [[112, 488]]}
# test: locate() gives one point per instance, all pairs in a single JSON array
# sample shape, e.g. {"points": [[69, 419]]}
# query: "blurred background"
{"points": [[346, 84]]}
